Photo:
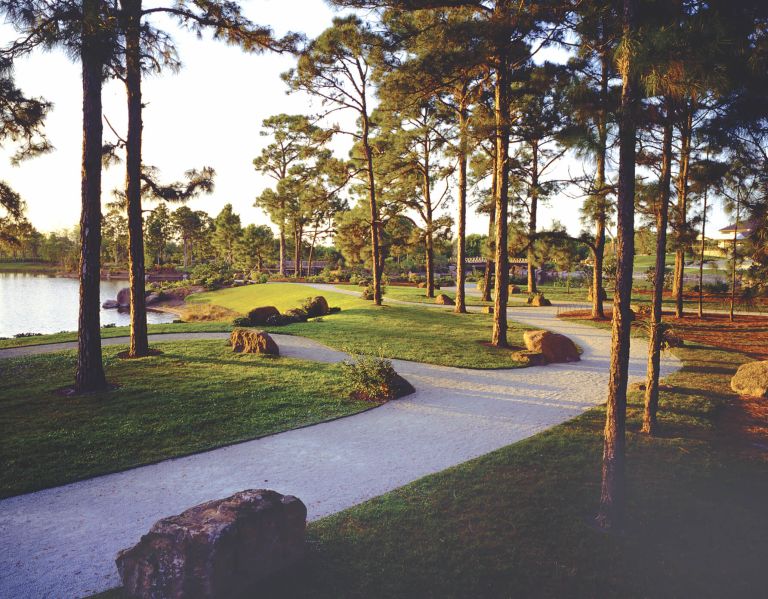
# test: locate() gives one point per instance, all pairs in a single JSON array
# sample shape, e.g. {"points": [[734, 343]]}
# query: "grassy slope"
{"points": [[194, 396], [393, 331], [518, 522]]}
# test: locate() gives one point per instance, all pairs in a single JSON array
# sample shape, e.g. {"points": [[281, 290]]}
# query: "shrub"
{"points": [[334, 310], [368, 291], [315, 306], [371, 378], [261, 315], [109, 325], [212, 275], [22, 335], [241, 321], [296, 315]]}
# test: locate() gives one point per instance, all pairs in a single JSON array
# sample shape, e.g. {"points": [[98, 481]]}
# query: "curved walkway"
{"points": [[61, 542]]}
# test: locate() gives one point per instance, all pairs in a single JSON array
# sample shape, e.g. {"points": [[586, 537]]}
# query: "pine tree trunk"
{"points": [[374, 214], [429, 250], [654, 343], [501, 197], [682, 210], [282, 250], [612, 493], [461, 241], [601, 191], [89, 375], [532, 220], [489, 264], [734, 249], [701, 252], [297, 252], [139, 343]]}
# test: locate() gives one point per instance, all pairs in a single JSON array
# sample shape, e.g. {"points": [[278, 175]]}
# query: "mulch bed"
{"points": [[743, 420]]}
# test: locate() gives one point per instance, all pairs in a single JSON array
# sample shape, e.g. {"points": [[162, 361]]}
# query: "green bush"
{"points": [[241, 321], [370, 378], [334, 310]]}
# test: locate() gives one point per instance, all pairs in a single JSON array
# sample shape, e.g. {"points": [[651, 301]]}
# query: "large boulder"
{"points": [[316, 306], [443, 300], [259, 316], [222, 548], [529, 358], [555, 347], [152, 298], [751, 379], [124, 297], [538, 300], [250, 341], [110, 305], [514, 290]]}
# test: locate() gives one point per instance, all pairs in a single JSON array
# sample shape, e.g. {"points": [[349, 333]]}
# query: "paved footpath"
{"points": [[61, 542]]}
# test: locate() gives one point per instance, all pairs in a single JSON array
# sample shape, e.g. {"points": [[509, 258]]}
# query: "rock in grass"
{"points": [[529, 358], [222, 548], [316, 306], [514, 289], [538, 300], [751, 379], [443, 300], [555, 347], [260, 316], [248, 341]]}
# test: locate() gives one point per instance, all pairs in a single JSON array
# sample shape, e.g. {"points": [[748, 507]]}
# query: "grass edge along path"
{"points": [[166, 406]]}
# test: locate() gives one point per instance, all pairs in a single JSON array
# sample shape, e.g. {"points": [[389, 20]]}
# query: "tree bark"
{"points": [[701, 252], [282, 251], [501, 196], [731, 315], [682, 209], [612, 492], [374, 213], [654, 343], [89, 375], [489, 264], [461, 224], [297, 252], [429, 249], [139, 343], [532, 218], [601, 192]]}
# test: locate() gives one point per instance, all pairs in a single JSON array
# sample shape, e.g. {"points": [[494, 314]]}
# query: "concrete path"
{"points": [[61, 542]]}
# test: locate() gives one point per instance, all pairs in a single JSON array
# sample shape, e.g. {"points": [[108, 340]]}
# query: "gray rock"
{"points": [[221, 548], [110, 305], [124, 297]]}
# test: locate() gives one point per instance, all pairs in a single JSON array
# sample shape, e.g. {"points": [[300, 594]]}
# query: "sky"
{"points": [[208, 114]]}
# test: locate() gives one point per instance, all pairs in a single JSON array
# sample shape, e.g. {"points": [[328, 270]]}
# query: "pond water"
{"points": [[32, 303]]}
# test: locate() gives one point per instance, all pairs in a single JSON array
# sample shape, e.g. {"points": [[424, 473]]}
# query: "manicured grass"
{"points": [[192, 397], [110, 332], [412, 333], [281, 295], [30, 267]]}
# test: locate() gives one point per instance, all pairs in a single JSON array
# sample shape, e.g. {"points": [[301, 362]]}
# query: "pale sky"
{"points": [[209, 114]]}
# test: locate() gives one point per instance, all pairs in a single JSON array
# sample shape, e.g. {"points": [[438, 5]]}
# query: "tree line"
{"points": [[663, 102]]}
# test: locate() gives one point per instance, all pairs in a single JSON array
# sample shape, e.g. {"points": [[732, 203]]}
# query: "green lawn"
{"points": [[110, 332], [518, 522], [393, 331], [419, 296], [192, 397], [29, 267]]}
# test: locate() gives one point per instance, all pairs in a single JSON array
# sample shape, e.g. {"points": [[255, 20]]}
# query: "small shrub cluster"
{"points": [[22, 335], [371, 378], [312, 307], [211, 275], [368, 291], [715, 287]]}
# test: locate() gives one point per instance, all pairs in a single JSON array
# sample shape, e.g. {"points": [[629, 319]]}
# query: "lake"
{"points": [[31, 303]]}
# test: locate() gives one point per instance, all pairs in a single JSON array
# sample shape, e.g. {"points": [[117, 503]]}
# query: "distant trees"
{"points": [[337, 68]]}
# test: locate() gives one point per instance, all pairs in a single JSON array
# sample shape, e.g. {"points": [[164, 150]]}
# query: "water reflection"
{"points": [[31, 303]]}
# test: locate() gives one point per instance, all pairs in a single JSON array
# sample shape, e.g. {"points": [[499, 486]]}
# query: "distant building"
{"points": [[724, 236]]}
